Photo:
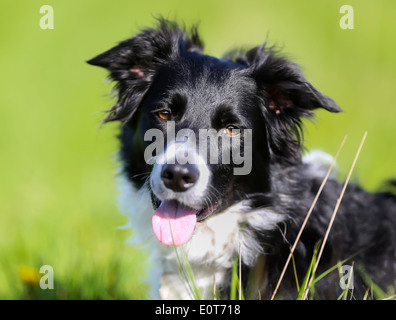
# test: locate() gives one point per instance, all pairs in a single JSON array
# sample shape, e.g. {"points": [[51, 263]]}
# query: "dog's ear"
{"points": [[284, 86], [134, 62], [287, 97]]}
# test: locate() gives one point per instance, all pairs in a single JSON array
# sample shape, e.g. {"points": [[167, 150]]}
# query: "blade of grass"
{"points": [[366, 294], [240, 274], [325, 273], [186, 274], [191, 277], [304, 285], [393, 297], [255, 279], [186, 270], [214, 287], [236, 283], [378, 293], [295, 273], [307, 217], [336, 209], [233, 280]]}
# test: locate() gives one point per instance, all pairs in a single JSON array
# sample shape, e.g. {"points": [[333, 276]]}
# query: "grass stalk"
{"points": [[310, 272], [186, 271], [295, 273], [336, 209]]}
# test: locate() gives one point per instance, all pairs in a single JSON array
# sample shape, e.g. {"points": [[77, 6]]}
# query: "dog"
{"points": [[203, 211]]}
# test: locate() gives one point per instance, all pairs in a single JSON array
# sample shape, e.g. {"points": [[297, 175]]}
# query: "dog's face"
{"points": [[250, 107], [198, 94], [209, 103]]}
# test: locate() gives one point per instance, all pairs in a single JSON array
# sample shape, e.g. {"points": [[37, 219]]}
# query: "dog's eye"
{"points": [[164, 114], [232, 130]]}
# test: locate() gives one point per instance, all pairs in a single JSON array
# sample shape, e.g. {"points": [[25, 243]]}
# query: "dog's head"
{"points": [[208, 114]]}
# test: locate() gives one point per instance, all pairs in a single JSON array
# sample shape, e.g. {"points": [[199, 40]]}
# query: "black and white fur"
{"points": [[256, 216]]}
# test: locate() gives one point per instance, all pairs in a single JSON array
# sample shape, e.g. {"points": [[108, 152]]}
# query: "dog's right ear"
{"points": [[134, 62]]}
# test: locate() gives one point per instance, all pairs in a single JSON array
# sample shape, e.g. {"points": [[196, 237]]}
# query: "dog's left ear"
{"points": [[287, 98], [285, 88]]}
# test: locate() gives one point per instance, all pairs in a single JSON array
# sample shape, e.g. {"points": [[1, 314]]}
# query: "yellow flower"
{"points": [[29, 275]]}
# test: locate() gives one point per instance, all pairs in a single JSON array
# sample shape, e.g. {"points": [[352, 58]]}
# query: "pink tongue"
{"points": [[173, 223]]}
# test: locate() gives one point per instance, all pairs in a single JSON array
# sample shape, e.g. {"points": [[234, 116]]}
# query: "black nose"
{"points": [[179, 177]]}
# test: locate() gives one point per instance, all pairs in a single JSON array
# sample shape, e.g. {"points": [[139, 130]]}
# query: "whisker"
{"points": [[140, 174]]}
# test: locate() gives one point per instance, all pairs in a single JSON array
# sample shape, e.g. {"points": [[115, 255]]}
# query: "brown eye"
{"points": [[164, 114], [232, 130]]}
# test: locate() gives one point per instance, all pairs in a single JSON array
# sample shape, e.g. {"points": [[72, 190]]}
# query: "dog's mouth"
{"points": [[174, 223]]}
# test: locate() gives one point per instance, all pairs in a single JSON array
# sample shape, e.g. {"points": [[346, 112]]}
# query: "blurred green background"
{"points": [[57, 165]]}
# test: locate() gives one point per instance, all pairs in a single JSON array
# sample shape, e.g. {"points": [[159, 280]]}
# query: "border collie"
{"points": [[191, 198]]}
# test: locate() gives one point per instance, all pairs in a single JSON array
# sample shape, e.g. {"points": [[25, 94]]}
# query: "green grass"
{"points": [[57, 168], [87, 253]]}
